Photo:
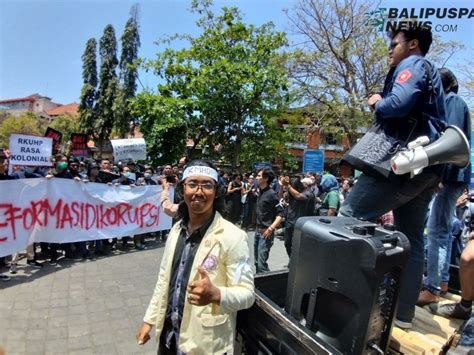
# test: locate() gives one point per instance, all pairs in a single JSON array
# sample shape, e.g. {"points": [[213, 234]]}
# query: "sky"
{"points": [[42, 41]]}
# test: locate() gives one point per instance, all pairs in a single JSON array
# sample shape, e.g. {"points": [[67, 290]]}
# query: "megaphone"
{"points": [[451, 148]]}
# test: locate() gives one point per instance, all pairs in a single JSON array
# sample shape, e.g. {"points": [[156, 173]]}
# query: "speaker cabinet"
{"points": [[344, 280]]}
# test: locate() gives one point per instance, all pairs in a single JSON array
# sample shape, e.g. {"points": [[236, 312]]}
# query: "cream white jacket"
{"points": [[208, 329]]}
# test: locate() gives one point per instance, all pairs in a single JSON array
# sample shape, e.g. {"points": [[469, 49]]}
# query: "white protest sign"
{"points": [[30, 150], [64, 211], [125, 149]]}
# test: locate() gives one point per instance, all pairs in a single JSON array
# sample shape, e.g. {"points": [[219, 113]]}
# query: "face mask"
{"points": [[147, 175], [127, 174], [62, 165]]}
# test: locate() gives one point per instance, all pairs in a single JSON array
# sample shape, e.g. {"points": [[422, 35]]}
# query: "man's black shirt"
{"points": [[181, 268], [297, 208], [268, 207], [64, 174]]}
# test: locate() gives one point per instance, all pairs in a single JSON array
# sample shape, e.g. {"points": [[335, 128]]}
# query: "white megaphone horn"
{"points": [[451, 148]]}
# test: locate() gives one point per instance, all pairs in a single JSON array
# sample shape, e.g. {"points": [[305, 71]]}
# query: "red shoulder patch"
{"points": [[403, 76]]}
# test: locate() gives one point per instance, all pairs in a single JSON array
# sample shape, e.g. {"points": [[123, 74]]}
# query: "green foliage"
{"points": [[108, 85], [224, 88], [87, 112], [128, 73], [164, 133], [270, 145], [66, 124], [27, 123]]}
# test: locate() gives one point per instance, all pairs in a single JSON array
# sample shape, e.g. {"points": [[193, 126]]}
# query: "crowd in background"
{"points": [[241, 200], [299, 195]]}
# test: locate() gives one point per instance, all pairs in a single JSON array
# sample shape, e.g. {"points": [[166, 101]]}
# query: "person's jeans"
{"points": [[249, 212], [261, 250], [408, 199], [439, 235]]}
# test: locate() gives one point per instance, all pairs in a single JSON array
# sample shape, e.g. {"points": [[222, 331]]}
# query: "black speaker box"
{"points": [[344, 280]]}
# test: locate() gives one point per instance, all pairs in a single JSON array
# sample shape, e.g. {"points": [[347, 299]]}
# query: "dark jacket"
{"points": [[407, 93], [457, 114]]}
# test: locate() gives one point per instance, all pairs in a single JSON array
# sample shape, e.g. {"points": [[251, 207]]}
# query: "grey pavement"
{"points": [[86, 307]]}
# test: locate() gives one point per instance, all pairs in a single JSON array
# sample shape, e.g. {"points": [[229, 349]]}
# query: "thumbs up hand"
{"points": [[201, 291]]}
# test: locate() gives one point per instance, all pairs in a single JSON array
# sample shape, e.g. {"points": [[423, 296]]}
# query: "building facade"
{"points": [[35, 103]]}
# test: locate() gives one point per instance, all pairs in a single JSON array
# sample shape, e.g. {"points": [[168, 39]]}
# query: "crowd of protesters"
{"points": [[256, 201], [296, 196], [85, 171]]}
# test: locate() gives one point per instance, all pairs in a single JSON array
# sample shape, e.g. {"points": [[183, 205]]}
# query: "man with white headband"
{"points": [[205, 275]]}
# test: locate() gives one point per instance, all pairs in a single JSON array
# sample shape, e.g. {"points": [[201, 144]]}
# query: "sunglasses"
{"points": [[393, 44]]}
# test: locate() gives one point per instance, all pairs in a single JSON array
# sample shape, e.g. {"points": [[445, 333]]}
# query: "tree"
{"points": [[442, 52], [66, 124], [223, 88], [340, 63], [128, 73], [466, 89], [271, 145], [27, 123], [88, 93], [107, 86]]}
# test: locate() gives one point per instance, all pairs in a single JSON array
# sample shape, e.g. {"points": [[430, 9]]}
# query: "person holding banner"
{"points": [[93, 176], [62, 171], [28, 173], [148, 176], [105, 165], [4, 176], [125, 177], [211, 256], [74, 168], [133, 169]]}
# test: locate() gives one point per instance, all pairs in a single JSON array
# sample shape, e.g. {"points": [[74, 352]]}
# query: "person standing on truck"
{"points": [[269, 216], [462, 309], [412, 90], [455, 181], [205, 275]]}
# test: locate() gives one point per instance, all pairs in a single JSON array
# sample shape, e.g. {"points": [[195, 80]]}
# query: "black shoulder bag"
{"points": [[372, 153]]}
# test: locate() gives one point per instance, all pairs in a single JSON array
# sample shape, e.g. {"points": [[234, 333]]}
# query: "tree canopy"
{"points": [[130, 41], [66, 124], [88, 93], [340, 62], [27, 123], [108, 84], [224, 88]]}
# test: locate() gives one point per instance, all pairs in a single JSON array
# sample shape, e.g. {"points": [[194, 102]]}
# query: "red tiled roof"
{"points": [[28, 98], [71, 109]]}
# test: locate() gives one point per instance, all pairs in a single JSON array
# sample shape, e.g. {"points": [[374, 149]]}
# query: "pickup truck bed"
{"points": [[266, 328]]}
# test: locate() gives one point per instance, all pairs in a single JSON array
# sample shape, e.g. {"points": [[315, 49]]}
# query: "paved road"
{"points": [[86, 307]]}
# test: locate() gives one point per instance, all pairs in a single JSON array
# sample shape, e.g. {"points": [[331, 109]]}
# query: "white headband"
{"points": [[200, 171]]}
